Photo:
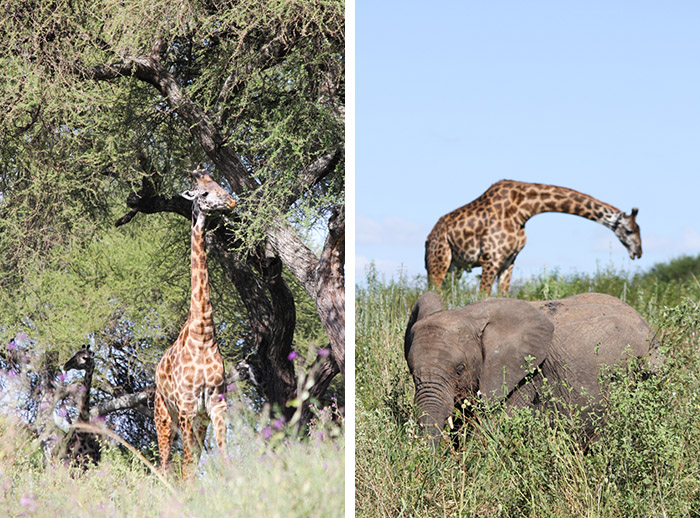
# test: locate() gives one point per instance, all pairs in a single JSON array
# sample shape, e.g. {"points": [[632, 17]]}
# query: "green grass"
{"points": [[276, 477], [646, 461]]}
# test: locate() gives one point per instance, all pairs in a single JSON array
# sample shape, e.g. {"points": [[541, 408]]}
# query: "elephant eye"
{"points": [[460, 368]]}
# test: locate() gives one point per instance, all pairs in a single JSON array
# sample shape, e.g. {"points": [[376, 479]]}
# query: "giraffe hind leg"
{"points": [[199, 429], [438, 257], [488, 275], [218, 417], [188, 445]]}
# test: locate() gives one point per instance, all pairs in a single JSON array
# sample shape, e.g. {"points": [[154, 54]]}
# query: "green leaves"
{"points": [[83, 286]]}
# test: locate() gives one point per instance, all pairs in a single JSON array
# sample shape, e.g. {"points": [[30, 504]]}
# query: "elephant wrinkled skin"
{"points": [[491, 346]]}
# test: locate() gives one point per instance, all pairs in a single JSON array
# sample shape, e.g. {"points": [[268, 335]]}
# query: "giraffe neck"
{"points": [[551, 198], [201, 322], [84, 416]]}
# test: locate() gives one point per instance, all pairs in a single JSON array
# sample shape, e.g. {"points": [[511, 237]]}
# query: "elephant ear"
{"points": [[427, 304], [516, 338]]}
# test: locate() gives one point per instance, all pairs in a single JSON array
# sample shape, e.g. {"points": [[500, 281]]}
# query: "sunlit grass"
{"points": [[259, 476]]}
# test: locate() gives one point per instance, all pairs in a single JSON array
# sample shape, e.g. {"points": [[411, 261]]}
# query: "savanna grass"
{"points": [[274, 475], [644, 460]]}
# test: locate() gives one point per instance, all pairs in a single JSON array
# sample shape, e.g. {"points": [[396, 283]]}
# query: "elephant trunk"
{"points": [[435, 404]]}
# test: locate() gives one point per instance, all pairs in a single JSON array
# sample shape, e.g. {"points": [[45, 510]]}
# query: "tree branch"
{"points": [[123, 402], [314, 173], [148, 69], [146, 200]]}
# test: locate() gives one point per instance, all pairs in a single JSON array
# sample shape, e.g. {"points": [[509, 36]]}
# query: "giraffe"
{"points": [[190, 386], [490, 231], [81, 447]]}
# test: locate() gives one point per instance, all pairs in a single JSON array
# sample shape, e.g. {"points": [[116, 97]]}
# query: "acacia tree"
{"points": [[104, 97]]}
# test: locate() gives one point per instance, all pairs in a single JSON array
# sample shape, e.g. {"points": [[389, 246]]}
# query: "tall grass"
{"points": [[261, 475], [645, 461]]}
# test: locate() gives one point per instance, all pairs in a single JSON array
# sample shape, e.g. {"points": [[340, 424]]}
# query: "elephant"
{"points": [[507, 348]]}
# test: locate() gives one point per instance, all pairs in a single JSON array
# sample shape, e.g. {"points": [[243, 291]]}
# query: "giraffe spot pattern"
{"points": [[191, 371], [489, 231]]}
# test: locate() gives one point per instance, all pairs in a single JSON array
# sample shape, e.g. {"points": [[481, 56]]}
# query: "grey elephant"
{"points": [[508, 347]]}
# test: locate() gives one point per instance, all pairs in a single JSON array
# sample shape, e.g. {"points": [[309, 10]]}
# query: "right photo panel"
{"points": [[527, 313]]}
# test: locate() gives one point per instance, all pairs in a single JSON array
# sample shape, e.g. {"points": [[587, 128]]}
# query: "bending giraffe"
{"points": [[82, 447], [190, 386], [490, 231]]}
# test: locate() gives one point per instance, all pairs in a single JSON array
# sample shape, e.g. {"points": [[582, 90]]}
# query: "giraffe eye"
{"points": [[205, 194]]}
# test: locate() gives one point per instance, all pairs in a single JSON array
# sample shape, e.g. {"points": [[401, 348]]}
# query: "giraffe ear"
{"points": [[188, 195], [635, 210]]}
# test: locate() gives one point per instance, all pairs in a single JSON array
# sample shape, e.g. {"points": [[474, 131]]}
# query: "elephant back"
{"points": [[594, 329]]}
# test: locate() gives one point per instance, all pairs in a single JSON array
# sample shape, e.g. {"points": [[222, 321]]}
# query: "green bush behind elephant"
{"points": [[507, 348]]}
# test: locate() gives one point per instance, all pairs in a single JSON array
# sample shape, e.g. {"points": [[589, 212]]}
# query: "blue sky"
{"points": [[602, 97]]}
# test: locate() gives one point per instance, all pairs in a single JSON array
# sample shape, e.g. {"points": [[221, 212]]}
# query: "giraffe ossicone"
{"points": [[490, 231], [190, 381]]}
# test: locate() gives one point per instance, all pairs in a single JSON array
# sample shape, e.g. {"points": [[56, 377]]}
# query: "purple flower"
{"points": [[267, 432], [324, 352], [28, 502], [22, 337], [62, 377], [63, 412], [12, 345], [11, 374], [278, 424], [292, 355], [229, 388], [221, 397]]}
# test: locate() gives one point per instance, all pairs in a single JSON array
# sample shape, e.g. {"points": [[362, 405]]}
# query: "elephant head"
{"points": [[486, 347]]}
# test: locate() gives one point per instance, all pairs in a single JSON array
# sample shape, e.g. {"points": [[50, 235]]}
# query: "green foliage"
{"points": [[679, 269], [269, 74], [646, 292], [644, 460], [78, 291]]}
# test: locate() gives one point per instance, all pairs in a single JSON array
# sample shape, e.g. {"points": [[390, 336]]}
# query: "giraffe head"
{"points": [[83, 360], [627, 231], [208, 195]]}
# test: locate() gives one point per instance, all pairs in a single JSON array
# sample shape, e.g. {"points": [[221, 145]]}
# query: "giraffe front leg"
{"points": [[504, 280], [218, 417], [164, 430]]}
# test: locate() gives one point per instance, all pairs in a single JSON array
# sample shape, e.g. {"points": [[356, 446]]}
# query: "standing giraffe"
{"points": [[490, 231], [81, 447], [190, 386]]}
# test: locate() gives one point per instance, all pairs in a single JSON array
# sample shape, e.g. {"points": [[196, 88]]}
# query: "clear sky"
{"points": [[599, 96]]}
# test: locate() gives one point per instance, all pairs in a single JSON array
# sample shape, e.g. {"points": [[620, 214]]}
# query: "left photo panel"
{"points": [[172, 325]]}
